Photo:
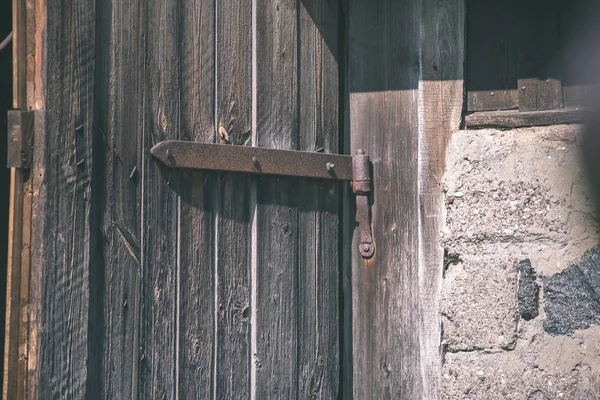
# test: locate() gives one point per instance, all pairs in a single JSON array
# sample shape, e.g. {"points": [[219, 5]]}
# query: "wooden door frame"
{"points": [[19, 228]]}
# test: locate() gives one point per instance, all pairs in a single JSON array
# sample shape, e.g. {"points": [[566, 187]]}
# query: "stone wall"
{"points": [[521, 291]]}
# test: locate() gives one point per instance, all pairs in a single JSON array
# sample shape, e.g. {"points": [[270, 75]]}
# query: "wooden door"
{"points": [[147, 282], [154, 283]]}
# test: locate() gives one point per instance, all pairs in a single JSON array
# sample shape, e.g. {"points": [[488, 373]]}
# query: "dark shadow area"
{"points": [[6, 85], [510, 41]]}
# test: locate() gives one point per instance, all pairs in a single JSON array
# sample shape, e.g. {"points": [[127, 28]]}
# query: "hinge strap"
{"points": [[264, 161]]}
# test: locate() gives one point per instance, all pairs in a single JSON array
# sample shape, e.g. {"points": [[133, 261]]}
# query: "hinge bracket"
{"points": [[264, 161], [20, 139]]}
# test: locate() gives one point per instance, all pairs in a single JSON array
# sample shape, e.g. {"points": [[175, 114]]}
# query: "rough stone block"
{"points": [[478, 304], [572, 297]]}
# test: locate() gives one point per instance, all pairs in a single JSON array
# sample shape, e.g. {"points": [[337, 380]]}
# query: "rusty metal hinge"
{"points": [[20, 139], [264, 161]]}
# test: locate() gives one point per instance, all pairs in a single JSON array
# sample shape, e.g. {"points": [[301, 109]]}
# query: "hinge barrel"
{"points": [[361, 186], [20, 139]]}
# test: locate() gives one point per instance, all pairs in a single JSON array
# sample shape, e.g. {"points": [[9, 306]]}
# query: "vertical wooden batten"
{"points": [[195, 367], [17, 302], [59, 356], [441, 91]]}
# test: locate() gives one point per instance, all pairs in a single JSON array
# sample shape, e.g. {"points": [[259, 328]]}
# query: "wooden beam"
{"points": [[18, 263], [440, 112], [516, 119]]}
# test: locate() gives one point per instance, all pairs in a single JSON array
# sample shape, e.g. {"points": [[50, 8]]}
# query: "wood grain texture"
{"points": [[117, 170], [440, 111], [62, 253], [162, 258], [13, 284], [159, 206], [318, 202], [23, 352], [383, 80], [234, 116], [15, 213], [516, 119], [196, 190], [275, 356], [19, 213]]}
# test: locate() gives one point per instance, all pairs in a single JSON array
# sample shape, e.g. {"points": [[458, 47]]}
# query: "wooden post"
{"points": [[405, 84]]}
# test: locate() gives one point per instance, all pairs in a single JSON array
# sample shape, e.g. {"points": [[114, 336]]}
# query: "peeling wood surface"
{"points": [[147, 281]]}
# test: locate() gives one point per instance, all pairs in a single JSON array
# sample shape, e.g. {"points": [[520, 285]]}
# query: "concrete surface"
{"points": [[520, 301]]}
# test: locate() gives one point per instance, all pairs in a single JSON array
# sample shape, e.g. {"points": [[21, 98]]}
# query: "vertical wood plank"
{"points": [[19, 215], [14, 264], [275, 357], [528, 93], [117, 170], [159, 207], [59, 363], [196, 337], [13, 284], [440, 110], [383, 79], [23, 351], [318, 264], [234, 116]]}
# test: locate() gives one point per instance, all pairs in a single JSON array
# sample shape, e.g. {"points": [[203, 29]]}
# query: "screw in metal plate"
{"points": [[330, 166], [255, 161], [360, 152], [523, 87]]}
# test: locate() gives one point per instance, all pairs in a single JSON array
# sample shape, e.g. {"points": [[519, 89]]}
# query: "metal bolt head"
{"points": [[523, 87], [255, 160], [330, 166], [360, 152], [366, 250]]}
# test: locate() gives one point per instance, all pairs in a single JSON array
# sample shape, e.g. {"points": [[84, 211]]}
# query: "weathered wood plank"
{"points": [[13, 284], [275, 276], [318, 353], [13, 376], [234, 116], [528, 93], [440, 111], [383, 79], [196, 336], [23, 352], [159, 207], [117, 168], [516, 119], [483, 100], [60, 363]]}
